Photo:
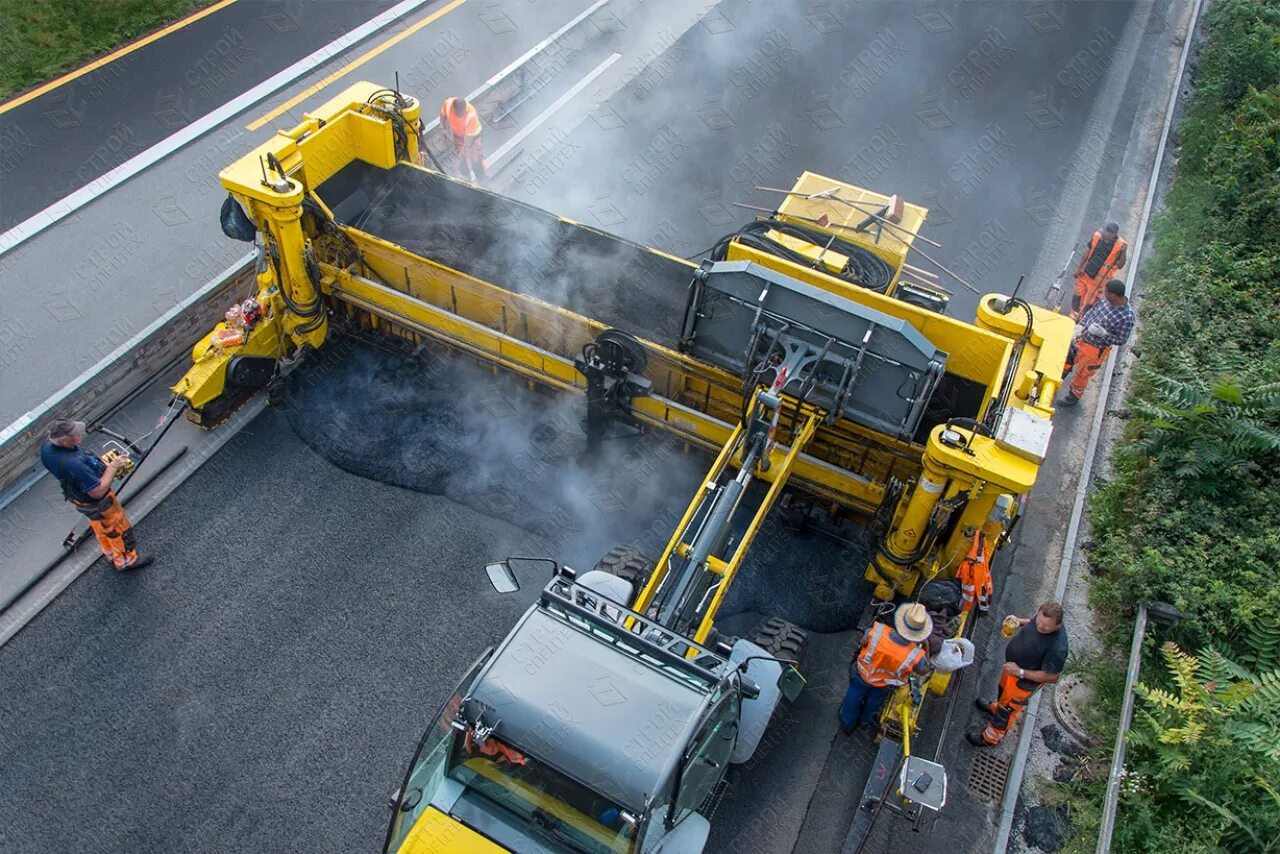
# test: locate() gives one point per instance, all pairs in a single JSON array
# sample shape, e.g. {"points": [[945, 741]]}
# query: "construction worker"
{"points": [[974, 575], [1109, 323], [1104, 256], [86, 482], [459, 117], [883, 662], [1034, 656]]}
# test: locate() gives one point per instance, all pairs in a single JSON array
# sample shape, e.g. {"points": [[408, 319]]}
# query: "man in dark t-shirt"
{"points": [[87, 483], [1034, 656]]}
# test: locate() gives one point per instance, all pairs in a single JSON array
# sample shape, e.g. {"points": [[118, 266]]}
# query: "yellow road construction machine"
{"points": [[804, 352]]}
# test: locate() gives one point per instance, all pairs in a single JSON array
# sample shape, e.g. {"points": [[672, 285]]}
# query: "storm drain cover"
{"points": [[987, 778], [1069, 697]]}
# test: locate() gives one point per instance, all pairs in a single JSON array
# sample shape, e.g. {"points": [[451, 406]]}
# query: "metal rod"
{"points": [[1126, 718], [858, 205], [911, 268], [935, 262]]}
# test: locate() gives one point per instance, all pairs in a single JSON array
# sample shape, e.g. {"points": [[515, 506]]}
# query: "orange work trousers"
{"points": [[112, 528], [1089, 358], [1009, 707], [470, 153], [1088, 291]]}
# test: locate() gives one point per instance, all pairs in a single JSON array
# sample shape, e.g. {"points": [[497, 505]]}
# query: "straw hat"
{"points": [[912, 621]]}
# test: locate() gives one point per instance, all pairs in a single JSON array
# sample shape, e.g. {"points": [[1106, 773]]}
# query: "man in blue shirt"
{"points": [[86, 483]]}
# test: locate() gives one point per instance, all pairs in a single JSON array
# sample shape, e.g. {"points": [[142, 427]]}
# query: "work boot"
{"points": [[987, 707], [143, 560], [975, 738]]}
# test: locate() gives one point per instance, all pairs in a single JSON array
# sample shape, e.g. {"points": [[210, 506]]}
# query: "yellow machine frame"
{"points": [[1017, 355]]}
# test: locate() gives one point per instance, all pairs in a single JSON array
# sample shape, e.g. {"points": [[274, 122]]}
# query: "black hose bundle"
{"points": [[391, 103], [864, 267]]}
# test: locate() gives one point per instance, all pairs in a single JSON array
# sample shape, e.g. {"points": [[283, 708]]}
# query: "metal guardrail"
{"points": [[1126, 718], [121, 373]]}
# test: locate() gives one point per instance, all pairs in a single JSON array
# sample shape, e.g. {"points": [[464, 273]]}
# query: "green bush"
{"points": [[1207, 745], [1192, 513]]}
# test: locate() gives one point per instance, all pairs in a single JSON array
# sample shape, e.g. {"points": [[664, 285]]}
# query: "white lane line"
{"points": [[70, 204], [521, 60], [506, 147]]}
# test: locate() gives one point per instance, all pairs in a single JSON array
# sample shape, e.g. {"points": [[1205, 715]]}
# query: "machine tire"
{"points": [[630, 564], [782, 639]]}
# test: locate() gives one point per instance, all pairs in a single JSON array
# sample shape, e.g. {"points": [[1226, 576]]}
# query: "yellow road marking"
{"points": [[113, 56], [353, 65]]}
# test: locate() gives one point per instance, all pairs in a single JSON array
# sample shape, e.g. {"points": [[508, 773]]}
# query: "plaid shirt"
{"points": [[1118, 320]]}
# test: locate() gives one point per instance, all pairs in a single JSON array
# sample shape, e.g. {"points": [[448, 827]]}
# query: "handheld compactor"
{"points": [[804, 355]]}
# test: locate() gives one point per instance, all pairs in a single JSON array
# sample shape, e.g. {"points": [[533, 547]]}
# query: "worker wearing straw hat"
{"points": [[885, 659]]}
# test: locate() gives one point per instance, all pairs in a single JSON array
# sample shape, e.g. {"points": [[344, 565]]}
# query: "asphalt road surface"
{"points": [[261, 686], [90, 125]]}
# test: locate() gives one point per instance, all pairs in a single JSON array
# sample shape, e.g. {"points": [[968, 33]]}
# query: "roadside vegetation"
{"points": [[40, 39], [1191, 515]]}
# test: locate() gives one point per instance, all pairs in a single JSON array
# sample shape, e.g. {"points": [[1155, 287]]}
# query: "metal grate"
{"points": [[988, 776]]}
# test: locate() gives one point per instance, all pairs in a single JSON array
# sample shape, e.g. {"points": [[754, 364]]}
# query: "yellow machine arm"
{"points": [[274, 188], [703, 571]]}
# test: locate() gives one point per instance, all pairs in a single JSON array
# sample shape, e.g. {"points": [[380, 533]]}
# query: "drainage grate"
{"points": [[988, 776]]}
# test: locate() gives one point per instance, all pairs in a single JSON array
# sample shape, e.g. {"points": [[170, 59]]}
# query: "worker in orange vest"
{"points": [[1104, 255], [1034, 656], [884, 661], [974, 575], [459, 118]]}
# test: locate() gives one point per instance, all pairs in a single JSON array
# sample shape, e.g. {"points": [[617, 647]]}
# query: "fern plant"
{"points": [[1205, 426], [1209, 738]]}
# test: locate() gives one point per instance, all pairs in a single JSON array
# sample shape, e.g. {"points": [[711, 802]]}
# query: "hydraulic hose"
{"points": [[863, 268], [1011, 370], [308, 311], [970, 424]]}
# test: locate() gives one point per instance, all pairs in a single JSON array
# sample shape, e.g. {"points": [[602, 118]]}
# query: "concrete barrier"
{"points": [[132, 365]]}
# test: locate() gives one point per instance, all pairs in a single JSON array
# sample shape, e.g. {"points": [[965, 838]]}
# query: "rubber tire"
{"points": [[630, 564], [782, 639]]}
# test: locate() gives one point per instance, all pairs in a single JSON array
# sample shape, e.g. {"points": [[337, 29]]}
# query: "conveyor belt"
{"points": [[515, 246]]}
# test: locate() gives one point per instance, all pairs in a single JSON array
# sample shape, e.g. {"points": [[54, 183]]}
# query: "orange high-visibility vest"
{"points": [[465, 126], [1097, 266], [494, 749], [883, 661], [974, 576]]}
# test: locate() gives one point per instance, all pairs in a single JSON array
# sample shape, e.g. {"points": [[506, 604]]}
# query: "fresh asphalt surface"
{"points": [[90, 125], [261, 687]]}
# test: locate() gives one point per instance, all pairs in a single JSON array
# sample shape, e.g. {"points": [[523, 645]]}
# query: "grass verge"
{"points": [[1191, 515], [41, 39]]}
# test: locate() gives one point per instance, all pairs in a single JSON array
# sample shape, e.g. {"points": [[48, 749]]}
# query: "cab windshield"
{"points": [[559, 810]]}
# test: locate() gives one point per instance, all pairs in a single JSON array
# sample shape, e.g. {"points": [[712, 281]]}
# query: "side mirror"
{"points": [[791, 683], [501, 577]]}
